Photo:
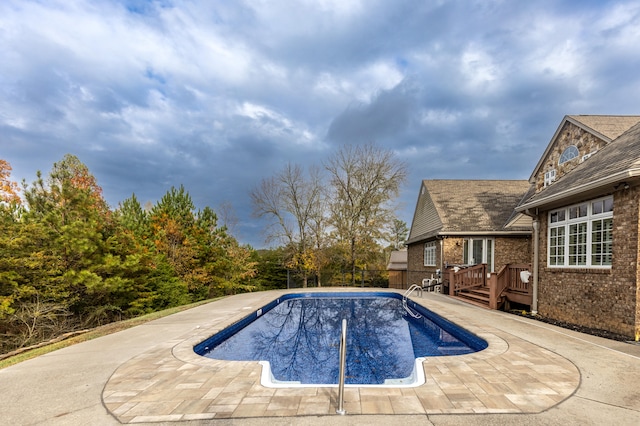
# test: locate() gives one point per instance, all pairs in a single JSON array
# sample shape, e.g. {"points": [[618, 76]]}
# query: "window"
{"points": [[582, 235], [569, 154], [586, 156], [549, 177], [430, 254], [578, 244], [556, 246], [601, 242], [478, 250]]}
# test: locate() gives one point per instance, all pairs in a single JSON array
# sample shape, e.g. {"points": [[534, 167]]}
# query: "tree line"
{"points": [[68, 261]]}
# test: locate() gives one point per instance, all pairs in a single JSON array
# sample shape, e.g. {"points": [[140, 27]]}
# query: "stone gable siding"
{"points": [[569, 135], [603, 299]]}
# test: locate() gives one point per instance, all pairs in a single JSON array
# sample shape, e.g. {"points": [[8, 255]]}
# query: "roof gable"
{"points": [[465, 206], [603, 127], [426, 218], [617, 162]]}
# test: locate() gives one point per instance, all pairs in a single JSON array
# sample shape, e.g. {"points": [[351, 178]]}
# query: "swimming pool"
{"points": [[296, 338]]}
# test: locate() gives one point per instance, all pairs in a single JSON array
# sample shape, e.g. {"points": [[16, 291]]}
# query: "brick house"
{"points": [[585, 206], [582, 202], [467, 222]]}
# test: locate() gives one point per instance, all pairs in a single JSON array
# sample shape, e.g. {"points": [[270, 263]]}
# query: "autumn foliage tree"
{"points": [[364, 181], [8, 189], [9, 202], [67, 261]]}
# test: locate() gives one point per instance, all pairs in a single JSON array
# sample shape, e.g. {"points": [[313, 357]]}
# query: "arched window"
{"points": [[569, 154]]}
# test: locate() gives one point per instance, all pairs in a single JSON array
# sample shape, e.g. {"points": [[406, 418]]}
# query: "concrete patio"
{"points": [[531, 372]]}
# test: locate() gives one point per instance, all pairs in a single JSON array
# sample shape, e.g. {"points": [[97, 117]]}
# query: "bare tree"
{"points": [[228, 217], [292, 201], [365, 179], [318, 225]]}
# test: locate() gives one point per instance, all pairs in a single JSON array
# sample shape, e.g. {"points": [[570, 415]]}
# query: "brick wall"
{"points": [[603, 299], [415, 263], [453, 250], [507, 250], [512, 250]]}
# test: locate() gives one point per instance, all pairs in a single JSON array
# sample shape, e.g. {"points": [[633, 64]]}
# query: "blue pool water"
{"points": [[299, 336]]}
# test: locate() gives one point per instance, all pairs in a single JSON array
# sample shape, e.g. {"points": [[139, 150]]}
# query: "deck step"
{"points": [[475, 297], [479, 296], [476, 294], [472, 301]]}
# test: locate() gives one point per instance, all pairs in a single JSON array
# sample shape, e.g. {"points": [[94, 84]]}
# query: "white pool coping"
{"points": [[414, 380]]}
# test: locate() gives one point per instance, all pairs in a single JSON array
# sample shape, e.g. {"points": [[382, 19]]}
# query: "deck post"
{"points": [[493, 290], [452, 289]]}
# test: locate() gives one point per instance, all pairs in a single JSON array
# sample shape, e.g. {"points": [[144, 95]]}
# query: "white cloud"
{"points": [[621, 17], [439, 117], [276, 125], [361, 85], [202, 92], [337, 7], [562, 60], [479, 68], [381, 75]]}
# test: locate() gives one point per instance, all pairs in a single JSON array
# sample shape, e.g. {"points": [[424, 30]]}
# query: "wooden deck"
{"points": [[493, 290]]}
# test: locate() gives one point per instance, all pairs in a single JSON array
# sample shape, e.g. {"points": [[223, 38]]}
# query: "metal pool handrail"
{"points": [[343, 362], [411, 290], [404, 300]]}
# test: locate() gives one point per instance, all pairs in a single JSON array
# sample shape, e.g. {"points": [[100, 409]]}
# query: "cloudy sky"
{"points": [[217, 95]]}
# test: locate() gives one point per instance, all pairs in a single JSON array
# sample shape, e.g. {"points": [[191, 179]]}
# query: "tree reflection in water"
{"points": [[301, 337]]}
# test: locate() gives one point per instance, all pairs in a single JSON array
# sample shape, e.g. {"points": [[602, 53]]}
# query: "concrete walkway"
{"points": [[531, 372]]}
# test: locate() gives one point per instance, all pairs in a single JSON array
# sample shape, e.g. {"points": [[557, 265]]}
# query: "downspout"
{"points": [[442, 256], [440, 278], [536, 262]]}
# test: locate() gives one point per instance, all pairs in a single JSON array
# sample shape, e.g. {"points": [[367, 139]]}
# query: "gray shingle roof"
{"points": [[618, 161], [398, 260], [610, 126], [475, 205]]}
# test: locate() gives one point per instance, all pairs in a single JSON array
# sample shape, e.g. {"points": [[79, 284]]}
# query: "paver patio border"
{"points": [[171, 383]]}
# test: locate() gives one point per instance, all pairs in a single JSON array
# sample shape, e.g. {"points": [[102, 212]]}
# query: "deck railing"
{"points": [[515, 281], [498, 283], [506, 282], [473, 276]]}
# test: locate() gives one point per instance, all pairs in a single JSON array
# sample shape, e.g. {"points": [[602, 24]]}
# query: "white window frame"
{"points": [[549, 177], [430, 254], [570, 153], [581, 235], [488, 252]]}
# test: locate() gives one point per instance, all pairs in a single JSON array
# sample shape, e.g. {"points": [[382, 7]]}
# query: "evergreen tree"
{"points": [[133, 217], [67, 261]]}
